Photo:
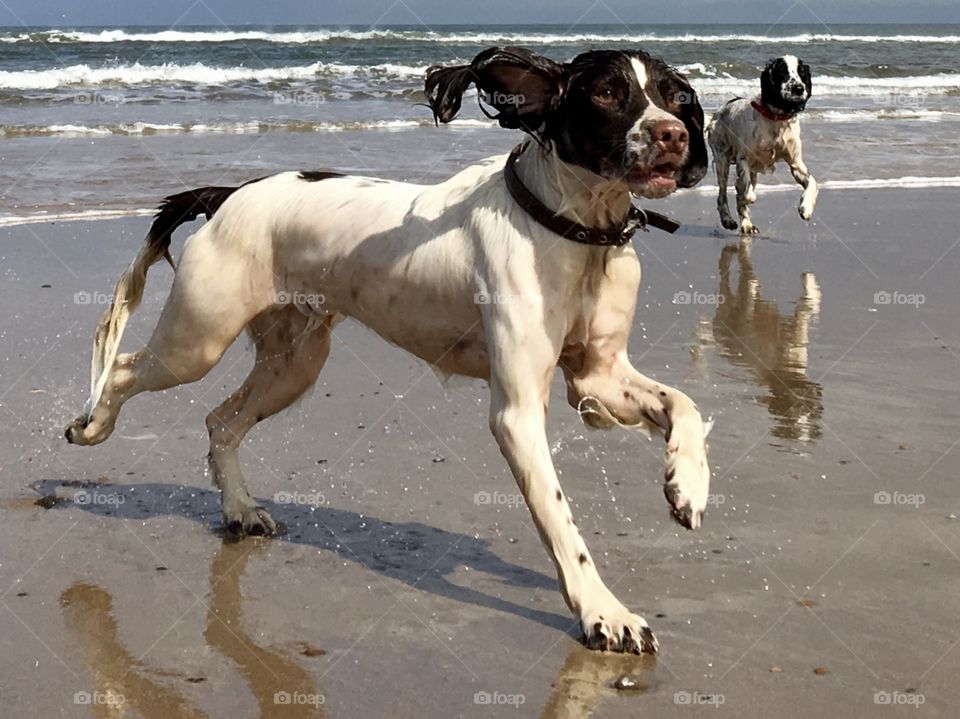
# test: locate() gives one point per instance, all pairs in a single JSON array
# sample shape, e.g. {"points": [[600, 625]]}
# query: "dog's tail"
{"points": [[174, 211]]}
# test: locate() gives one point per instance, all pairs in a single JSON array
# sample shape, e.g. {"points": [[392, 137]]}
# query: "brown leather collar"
{"points": [[770, 114], [570, 230]]}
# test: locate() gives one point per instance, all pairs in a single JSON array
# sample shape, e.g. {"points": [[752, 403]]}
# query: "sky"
{"points": [[433, 12]]}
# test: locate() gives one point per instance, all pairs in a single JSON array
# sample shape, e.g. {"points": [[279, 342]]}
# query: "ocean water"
{"points": [[110, 119]]}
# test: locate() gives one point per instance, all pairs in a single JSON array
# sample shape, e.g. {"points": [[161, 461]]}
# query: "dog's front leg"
{"points": [[519, 389], [608, 391], [811, 190], [745, 196]]}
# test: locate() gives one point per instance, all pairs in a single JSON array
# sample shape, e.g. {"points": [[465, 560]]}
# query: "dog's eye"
{"points": [[605, 96]]}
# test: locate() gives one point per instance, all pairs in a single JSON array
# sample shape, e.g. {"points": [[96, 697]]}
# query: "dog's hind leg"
{"points": [[214, 295], [722, 167], [291, 350]]}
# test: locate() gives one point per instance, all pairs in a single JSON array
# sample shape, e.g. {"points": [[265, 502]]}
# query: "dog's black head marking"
{"points": [[624, 115], [785, 85]]}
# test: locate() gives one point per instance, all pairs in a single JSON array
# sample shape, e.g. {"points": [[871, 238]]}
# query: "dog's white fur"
{"points": [[740, 136], [409, 262]]}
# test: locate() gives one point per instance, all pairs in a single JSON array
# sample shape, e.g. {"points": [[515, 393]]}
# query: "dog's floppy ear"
{"points": [[521, 86], [692, 115], [768, 91]]}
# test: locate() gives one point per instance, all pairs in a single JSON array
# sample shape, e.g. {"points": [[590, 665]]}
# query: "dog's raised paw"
{"points": [[805, 211], [729, 223], [687, 488]]}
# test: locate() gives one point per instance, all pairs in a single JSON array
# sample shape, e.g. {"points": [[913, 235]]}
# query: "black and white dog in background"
{"points": [[754, 134], [409, 260]]}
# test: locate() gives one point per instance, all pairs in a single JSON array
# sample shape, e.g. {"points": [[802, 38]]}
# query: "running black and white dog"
{"points": [[753, 135], [409, 261]]}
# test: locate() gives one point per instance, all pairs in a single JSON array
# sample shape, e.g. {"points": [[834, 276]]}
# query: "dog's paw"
{"points": [[748, 228], [728, 223], [83, 431], [687, 487], [249, 521], [806, 210], [609, 626]]}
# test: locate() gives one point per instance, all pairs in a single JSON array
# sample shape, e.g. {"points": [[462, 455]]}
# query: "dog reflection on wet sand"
{"points": [[751, 332], [122, 683]]}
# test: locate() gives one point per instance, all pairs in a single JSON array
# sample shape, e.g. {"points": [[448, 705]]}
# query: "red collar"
{"points": [[770, 114]]}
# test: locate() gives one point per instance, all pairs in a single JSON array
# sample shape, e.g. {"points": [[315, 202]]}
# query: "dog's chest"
{"points": [[771, 142]]}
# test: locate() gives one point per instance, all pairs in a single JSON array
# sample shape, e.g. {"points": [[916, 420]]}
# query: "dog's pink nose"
{"points": [[670, 135]]}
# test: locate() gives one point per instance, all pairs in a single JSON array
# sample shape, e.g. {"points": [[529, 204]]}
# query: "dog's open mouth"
{"points": [[654, 181]]}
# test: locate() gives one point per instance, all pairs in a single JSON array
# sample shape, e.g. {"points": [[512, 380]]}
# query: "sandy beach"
{"points": [[823, 583]]}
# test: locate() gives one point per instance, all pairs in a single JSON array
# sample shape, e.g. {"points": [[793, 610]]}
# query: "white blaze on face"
{"points": [[638, 140], [793, 73]]}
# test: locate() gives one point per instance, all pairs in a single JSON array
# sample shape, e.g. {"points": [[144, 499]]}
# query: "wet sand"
{"points": [[411, 584]]}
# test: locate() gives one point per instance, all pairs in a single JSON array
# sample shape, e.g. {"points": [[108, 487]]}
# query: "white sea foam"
{"points": [[197, 73], [10, 220], [330, 35], [114, 78], [907, 183], [230, 128]]}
